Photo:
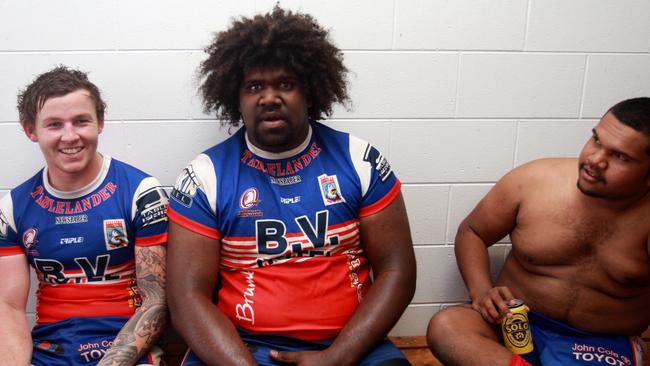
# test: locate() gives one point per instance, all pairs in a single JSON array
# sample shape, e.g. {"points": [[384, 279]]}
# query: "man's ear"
{"points": [[30, 132], [100, 126]]}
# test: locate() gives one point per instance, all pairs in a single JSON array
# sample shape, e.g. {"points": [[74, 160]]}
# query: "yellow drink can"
{"points": [[516, 330]]}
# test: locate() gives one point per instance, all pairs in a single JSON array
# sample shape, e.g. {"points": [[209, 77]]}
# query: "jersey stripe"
{"points": [[151, 240], [7, 251], [193, 225], [60, 302], [243, 253], [382, 203]]}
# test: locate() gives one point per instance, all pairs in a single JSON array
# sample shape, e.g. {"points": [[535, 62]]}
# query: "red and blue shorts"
{"points": [[384, 354], [80, 342], [559, 344]]}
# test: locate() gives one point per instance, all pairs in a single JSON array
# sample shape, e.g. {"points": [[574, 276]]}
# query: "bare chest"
{"points": [[572, 243]]}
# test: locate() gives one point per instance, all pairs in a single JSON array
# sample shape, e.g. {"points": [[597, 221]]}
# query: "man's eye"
{"points": [[287, 85], [596, 140], [254, 87], [621, 156]]}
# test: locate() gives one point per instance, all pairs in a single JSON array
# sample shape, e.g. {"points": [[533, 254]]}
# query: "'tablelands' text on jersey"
{"points": [[81, 244], [292, 262]]}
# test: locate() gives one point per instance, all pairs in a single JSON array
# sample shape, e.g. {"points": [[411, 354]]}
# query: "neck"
{"points": [[70, 182], [615, 205]]}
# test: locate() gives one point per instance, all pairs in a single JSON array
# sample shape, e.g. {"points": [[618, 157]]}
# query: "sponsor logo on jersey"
{"points": [[72, 207], [330, 190], [244, 311], [73, 240], [285, 181], [152, 206], [290, 200], [76, 219], [284, 168], [248, 200], [353, 264], [115, 234], [82, 270], [29, 237], [276, 244], [378, 162], [135, 299], [186, 186], [4, 226]]}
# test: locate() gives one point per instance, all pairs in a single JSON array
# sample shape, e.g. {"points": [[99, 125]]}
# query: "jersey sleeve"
{"points": [[193, 199], [149, 212], [9, 240], [379, 185]]}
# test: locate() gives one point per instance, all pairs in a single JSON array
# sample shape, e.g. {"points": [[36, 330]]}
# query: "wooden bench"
{"points": [[414, 347]]}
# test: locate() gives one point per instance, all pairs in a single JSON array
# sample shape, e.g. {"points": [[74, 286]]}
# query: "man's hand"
{"points": [[304, 358], [493, 304]]}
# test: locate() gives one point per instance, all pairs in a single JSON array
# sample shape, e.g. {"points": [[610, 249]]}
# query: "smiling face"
{"points": [[67, 129], [274, 109], [614, 163]]}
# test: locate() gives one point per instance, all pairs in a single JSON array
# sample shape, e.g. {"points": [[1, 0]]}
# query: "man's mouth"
{"points": [[272, 120], [591, 174], [71, 150]]}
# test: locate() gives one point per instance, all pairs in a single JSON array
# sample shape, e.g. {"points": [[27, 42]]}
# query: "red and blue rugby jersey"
{"points": [[291, 258], [81, 244]]}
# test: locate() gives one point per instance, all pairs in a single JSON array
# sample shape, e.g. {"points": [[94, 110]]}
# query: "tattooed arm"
{"points": [[144, 327]]}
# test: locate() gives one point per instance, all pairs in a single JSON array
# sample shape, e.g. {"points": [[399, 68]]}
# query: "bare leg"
{"points": [[460, 336]]}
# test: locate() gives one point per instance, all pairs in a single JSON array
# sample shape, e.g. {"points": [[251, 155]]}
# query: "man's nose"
{"points": [[270, 96], [599, 158], [69, 132]]}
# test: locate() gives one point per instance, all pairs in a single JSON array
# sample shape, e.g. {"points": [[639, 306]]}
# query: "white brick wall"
{"points": [[455, 92]]}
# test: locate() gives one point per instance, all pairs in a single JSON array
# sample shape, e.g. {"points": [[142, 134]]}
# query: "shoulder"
{"points": [[22, 193], [543, 171], [138, 182], [17, 199], [534, 179], [128, 169], [330, 137], [29, 184], [234, 142]]}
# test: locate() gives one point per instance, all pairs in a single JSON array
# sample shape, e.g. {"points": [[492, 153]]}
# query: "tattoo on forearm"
{"points": [[144, 327]]}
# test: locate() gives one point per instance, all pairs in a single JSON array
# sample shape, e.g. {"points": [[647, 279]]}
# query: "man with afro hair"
{"points": [[274, 232]]}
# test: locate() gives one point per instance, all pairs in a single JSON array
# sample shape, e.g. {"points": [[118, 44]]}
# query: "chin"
{"points": [[588, 192]]}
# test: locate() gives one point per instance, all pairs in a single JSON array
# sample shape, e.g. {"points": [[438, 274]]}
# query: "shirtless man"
{"points": [[579, 258]]}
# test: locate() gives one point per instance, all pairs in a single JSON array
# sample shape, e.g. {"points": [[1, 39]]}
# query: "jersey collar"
{"points": [[81, 191], [281, 155]]}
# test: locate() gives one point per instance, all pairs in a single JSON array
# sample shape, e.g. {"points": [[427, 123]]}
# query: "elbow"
{"points": [[403, 279]]}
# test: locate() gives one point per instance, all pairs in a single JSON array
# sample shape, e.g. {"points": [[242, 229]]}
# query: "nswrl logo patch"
{"points": [[151, 206], [186, 186], [378, 162], [4, 226]]}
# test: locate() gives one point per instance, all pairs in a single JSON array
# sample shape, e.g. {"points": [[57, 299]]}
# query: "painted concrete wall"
{"points": [[455, 92]]}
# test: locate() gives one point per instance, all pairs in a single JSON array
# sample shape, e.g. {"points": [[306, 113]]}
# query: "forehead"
{"points": [[269, 74], [617, 135], [78, 101]]}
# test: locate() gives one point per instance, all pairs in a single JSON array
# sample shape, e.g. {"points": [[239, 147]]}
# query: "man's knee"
{"points": [[457, 323], [442, 326]]}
